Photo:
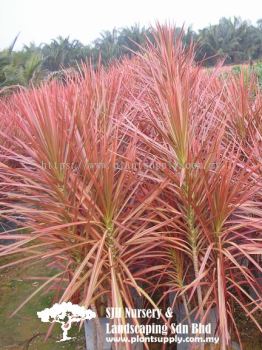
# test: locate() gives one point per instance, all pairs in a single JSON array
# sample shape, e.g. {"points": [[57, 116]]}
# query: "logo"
{"points": [[66, 313]]}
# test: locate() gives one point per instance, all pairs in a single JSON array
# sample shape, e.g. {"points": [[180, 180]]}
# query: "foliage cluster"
{"points": [[233, 40]]}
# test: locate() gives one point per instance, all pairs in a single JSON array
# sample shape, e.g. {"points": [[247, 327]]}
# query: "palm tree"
{"points": [[23, 69], [20, 67], [224, 40], [62, 53], [130, 39], [106, 46]]}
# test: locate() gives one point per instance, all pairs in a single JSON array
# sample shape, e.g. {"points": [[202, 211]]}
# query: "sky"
{"points": [[40, 21]]}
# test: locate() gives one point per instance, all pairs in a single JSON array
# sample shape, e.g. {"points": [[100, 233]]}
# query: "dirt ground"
{"points": [[25, 331]]}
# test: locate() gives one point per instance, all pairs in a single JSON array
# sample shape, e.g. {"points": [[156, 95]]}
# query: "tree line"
{"points": [[232, 39]]}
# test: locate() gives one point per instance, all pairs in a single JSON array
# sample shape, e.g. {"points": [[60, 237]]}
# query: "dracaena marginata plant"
{"points": [[82, 201], [212, 203]]}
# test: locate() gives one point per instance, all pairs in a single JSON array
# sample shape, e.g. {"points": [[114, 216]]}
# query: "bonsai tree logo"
{"points": [[66, 314]]}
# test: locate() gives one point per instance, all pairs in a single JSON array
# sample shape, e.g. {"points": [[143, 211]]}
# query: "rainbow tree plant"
{"points": [[7, 128], [212, 203], [84, 206]]}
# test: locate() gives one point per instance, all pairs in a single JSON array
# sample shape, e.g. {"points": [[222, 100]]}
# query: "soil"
{"points": [[25, 331]]}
